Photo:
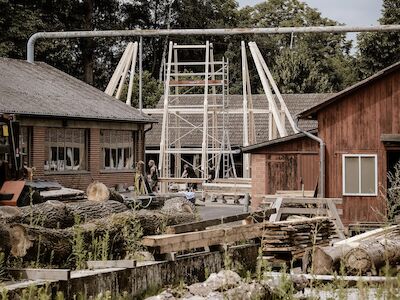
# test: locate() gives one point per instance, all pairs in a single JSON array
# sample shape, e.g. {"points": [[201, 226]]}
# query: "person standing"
{"points": [[188, 172], [152, 176]]}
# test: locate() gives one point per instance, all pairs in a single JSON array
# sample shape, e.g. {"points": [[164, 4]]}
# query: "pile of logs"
{"points": [[364, 254], [47, 232], [290, 239]]}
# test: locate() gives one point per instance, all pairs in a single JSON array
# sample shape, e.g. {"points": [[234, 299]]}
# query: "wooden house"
{"points": [[283, 164], [70, 131], [360, 127]]}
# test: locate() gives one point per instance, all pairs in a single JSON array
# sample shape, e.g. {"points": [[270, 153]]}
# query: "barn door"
{"points": [[281, 173]]}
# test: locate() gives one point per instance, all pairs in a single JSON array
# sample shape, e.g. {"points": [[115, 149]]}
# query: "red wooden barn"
{"points": [[361, 129]]}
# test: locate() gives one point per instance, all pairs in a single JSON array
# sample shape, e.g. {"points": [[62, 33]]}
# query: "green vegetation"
{"points": [[303, 63]]}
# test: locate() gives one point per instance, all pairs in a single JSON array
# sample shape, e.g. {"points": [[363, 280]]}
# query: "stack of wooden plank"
{"points": [[290, 239]]}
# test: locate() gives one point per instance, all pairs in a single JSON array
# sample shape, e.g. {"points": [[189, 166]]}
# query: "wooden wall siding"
{"points": [[81, 180], [354, 125], [281, 167]]}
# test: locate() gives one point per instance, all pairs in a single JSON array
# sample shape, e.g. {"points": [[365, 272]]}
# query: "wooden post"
{"points": [[204, 145], [127, 63], [132, 75], [267, 89], [163, 167], [112, 84]]}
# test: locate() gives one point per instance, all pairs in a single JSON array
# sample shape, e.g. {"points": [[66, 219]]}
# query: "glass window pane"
{"points": [[61, 159], [368, 184], [127, 162], [70, 159], [113, 158], [106, 152], [120, 164], [77, 159], [351, 175]]}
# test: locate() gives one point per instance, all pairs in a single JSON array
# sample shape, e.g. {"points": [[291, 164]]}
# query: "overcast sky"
{"points": [[350, 12]]}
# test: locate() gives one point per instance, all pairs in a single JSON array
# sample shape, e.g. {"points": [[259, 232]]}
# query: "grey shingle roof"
{"points": [[295, 103], [41, 90]]}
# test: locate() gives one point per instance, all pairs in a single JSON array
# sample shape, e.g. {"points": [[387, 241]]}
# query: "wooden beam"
{"points": [[40, 274], [132, 74], [127, 64], [167, 243], [112, 84], [181, 180], [275, 88], [202, 225], [267, 89], [371, 279], [367, 235], [105, 264]]}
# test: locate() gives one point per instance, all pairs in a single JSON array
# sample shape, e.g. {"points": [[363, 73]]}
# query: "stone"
{"points": [[178, 204], [215, 296], [300, 282], [200, 289], [247, 291], [163, 296], [224, 280], [194, 298]]}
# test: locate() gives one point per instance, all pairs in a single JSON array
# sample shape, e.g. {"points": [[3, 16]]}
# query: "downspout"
{"points": [[148, 129], [321, 184]]}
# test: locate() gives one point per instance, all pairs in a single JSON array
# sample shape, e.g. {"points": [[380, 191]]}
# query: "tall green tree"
{"points": [[379, 50], [303, 63]]}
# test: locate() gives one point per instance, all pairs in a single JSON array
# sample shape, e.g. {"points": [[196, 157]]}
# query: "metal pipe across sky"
{"points": [[203, 32]]}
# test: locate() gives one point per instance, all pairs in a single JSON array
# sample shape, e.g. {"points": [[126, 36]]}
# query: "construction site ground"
{"points": [[212, 210]]}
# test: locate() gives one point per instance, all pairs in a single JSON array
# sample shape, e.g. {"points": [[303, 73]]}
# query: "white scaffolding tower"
{"points": [[207, 79]]}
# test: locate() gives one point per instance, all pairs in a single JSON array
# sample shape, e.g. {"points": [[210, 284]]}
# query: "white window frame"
{"points": [[344, 156]]}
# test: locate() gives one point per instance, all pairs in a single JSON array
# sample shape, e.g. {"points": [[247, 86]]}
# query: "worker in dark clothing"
{"points": [[152, 176], [188, 172]]}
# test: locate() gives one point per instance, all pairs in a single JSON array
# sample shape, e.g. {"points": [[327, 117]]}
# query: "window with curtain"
{"points": [[66, 150], [117, 149], [360, 175]]}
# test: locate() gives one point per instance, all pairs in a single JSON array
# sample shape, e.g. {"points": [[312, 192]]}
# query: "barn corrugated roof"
{"points": [[41, 90], [234, 123]]}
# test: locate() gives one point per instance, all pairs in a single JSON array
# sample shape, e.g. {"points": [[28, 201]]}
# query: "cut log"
{"points": [[5, 239], [55, 246], [97, 191], [370, 255], [92, 210], [56, 214], [327, 260]]}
